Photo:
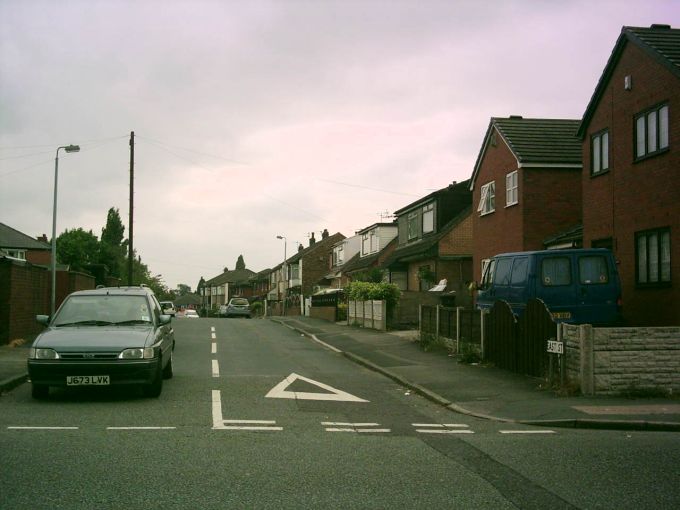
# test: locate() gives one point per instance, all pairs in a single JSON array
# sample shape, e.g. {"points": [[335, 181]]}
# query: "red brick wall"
{"points": [[24, 293], [39, 257], [551, 203], [632, 196], [459, 240]]}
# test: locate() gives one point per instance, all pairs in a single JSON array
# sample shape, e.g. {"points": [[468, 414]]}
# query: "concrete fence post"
{"points": [[436, 328], [458, 308], [587, 361]]}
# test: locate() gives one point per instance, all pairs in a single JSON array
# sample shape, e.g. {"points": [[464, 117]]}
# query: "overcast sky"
{"points": [[255, 119]]}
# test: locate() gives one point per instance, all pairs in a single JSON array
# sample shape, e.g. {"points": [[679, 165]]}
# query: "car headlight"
{"points": [[146, 353], [37, 353]]}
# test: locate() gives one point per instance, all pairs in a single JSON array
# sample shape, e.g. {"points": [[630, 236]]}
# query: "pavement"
{"points": [[479, 390]]}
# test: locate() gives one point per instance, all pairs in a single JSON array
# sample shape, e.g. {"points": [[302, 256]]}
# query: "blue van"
{"points": [[579, 286]]}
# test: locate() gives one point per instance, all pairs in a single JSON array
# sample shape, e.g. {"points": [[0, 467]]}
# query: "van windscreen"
{"points": [[555, 271]]}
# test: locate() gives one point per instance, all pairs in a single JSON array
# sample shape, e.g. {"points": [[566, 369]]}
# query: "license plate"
{"points": [[561, 315], [87, 380]]}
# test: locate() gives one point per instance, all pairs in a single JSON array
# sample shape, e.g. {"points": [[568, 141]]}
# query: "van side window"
{"points": [[519, 270], [503, 268], [556, 271], [593, 270]]}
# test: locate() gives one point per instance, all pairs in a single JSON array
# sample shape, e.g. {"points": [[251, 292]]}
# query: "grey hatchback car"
{"points": [[237, 307], [104, 337]]}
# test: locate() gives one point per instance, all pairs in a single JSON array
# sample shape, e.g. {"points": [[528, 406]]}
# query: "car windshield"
{"points": [[99, 310], [238, 301]]}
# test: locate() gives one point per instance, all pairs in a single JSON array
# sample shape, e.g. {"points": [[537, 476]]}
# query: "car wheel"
{"points": [[40, 391], [154, 389], [167, 371]]}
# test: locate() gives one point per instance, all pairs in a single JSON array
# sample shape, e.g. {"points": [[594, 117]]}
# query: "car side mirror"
{"points": [[165, 319], [42, 319]]}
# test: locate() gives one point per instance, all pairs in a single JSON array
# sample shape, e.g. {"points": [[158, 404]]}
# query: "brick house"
{"points": [[220, 289], [344, 251], [631, 155], [21, 246], [306, 268], [526, 186], [434, 240]]}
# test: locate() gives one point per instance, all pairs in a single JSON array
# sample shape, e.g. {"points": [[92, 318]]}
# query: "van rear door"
{"points": [[598, 289], [556, 284]]}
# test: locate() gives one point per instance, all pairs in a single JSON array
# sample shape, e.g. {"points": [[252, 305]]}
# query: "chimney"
{"points": [[42, 238], [324, 234], [300, 248], [312, 241]]}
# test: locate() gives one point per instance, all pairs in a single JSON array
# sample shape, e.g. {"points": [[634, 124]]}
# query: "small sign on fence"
{"points": [[555, 346]]}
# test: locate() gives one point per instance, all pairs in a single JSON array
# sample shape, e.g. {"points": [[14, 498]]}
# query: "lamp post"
{"points": [[67, 148], [283, 273]]}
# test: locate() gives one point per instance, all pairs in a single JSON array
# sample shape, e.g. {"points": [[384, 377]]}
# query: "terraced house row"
{"points": [[608, 179]]}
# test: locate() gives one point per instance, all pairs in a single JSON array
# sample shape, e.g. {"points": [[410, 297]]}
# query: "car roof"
{"points": [[115, 291]]}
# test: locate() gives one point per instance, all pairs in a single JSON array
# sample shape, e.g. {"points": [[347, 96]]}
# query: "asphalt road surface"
{"points": [[258, 416]]}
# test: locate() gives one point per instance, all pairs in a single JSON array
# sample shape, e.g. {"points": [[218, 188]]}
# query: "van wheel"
{"points": [[39, 391]]}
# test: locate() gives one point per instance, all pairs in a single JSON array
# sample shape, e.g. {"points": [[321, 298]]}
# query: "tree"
{"points": [[182, 289], [77, 248], [112, 248], [240, 264]]}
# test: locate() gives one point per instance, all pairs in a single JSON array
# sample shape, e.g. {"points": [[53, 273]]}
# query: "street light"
{"points": [[283, 273], [67, 148]]}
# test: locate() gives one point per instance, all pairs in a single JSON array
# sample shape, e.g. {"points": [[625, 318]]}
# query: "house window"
{"points": [[365, 244], [487, 202], [599, 157], [653, 257], [651, 132], [511, 192], [412, 225], [339, 255], [428, 218], [294, 272], [373, 241]]}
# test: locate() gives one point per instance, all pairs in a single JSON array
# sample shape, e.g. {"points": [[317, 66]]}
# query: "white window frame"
{"points": [[428, 219], [512, 188], [365, 244], [412, 225], [487, 201], [599, 153], [373, 241]]}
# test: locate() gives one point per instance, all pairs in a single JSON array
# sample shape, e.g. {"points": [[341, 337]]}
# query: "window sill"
{"points": [[486, 213], [653, 286], [651, 155], [598, 174], [512, 205]]}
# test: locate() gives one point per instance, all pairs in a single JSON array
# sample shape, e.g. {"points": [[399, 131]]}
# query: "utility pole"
{"points": [[132, 204]]}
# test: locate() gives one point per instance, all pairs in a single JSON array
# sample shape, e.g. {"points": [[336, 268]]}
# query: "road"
{"points": [[258, 416]]}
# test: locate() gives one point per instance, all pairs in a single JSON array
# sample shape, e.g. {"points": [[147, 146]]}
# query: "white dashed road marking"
{"points": [[442, 428], [214, 349], [527, 431], [215, 368], [42, 428], [361, 428]]}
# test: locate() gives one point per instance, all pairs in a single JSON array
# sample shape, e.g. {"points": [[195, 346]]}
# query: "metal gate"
{"points": [[520, 345]]}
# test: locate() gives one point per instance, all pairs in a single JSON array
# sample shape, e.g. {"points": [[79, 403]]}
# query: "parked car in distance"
{"points": [[168, 308], [579, 286], [190, 314], [104, 337], [237, 307]]}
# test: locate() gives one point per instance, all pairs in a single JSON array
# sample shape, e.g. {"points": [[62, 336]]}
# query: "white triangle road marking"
{"points": [[279, 391]]}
